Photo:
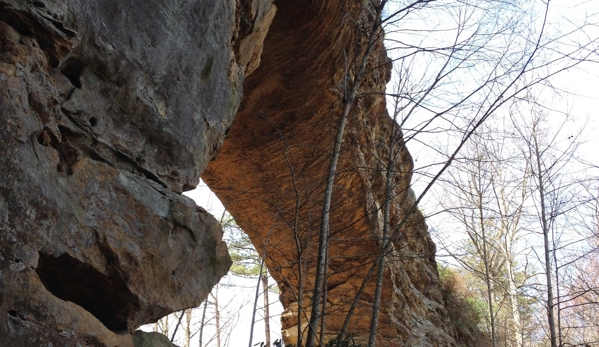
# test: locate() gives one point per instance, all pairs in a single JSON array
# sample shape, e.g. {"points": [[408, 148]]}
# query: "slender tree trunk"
{"points": [[300, 302], [177, 325], [513, 299], [490, 300], [328, 192], [324, 300], [216, 317], [266, 309], [557, 293], [299, 247], [202, 322], [298, 242], [488, 281], [217, 320], [546, 244], [188, 313], [165, 325], [510, 223], [352, 308], [376, 306], [550, 306], [256, 302], [324, 231]]}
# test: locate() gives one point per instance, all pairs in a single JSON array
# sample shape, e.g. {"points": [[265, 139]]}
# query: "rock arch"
{"points": [[110, 109]]}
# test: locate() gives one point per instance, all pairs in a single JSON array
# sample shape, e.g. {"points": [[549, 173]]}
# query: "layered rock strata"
{"points": [[108, 111], [271, 172]]}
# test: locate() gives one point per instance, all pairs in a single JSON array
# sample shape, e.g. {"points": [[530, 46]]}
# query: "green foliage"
{"points": [[240, 268], [465, 310], [246, 260]]}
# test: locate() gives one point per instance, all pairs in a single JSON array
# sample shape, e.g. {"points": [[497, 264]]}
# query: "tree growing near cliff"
{"points": [[580, 320], [524, 225], [505, 71], [581, 305], [443, 95], [493, 99], [486, 192], [558, 192], [353, 80], [248, 262]]}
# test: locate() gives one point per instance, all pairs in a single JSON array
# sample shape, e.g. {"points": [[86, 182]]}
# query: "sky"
{"points": [[236, 299], [574, 92]]}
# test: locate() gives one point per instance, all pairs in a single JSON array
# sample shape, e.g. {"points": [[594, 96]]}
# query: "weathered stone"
{"points": [[108, 110], [258, 15], [274, 162], [143, 339]]}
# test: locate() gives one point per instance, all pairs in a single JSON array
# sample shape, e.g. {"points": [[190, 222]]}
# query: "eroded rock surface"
{"points": [[108, 111], [271, 171]]}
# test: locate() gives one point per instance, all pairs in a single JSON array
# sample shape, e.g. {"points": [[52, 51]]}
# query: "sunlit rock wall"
{"points": [[271, 174]]}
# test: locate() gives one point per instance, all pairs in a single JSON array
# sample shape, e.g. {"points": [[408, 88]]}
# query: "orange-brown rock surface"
{"points": [[270, 174]]}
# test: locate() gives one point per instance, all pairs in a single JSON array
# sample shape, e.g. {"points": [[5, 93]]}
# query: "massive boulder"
{"points": [[271, 173], [110, 109]]}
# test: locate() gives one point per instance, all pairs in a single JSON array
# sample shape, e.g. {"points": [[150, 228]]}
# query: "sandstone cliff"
{"points": [[270, 174], [110, 109]]}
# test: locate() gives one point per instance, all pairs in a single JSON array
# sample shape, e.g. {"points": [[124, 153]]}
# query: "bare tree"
{"points": [[469, 205], [202, 322], [217, 317], [551, 155], [348, 100], [266, 308], [395, 140], [486, 192], [187, 327]]}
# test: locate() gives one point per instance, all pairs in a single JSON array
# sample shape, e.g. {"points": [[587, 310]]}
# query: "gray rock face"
{"points": [[143, 339], [108, 110], [146, 84]]}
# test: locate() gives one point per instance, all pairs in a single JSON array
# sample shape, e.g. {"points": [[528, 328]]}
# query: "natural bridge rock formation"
{"points": [[110, 109], [271, 171]]}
